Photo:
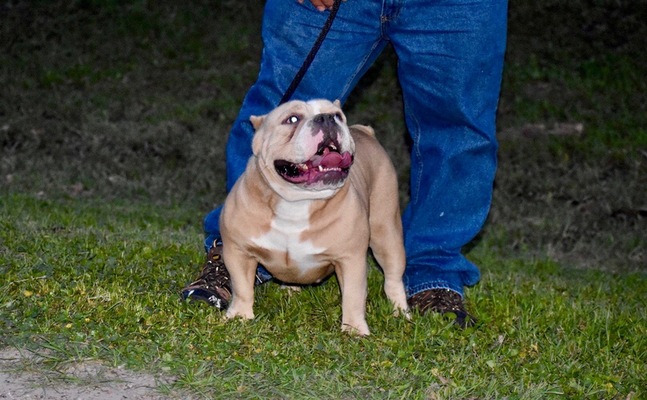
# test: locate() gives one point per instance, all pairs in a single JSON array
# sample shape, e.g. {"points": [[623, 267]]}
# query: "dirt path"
{"points": [[22, 376]]}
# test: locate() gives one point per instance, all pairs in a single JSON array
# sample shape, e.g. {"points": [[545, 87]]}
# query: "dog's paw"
{"points": [[291, 288], [233, 312], [402, 312], [357, 330]]}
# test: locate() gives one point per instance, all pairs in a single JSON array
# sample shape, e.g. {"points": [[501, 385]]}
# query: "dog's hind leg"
{"points": [[388, 250]]}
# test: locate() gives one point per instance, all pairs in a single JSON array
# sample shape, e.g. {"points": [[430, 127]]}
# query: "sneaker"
{"points": [[443, 301], [213, 286]]}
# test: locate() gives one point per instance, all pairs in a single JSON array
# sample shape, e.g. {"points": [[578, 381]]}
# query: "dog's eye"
{"points": [[340, 116], [292, 119]]}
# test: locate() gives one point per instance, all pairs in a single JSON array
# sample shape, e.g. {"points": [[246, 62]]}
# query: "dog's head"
{"points": [[304, 149]]}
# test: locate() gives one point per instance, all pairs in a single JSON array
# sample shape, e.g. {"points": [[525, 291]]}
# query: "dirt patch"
{"points": [[23, 375]]}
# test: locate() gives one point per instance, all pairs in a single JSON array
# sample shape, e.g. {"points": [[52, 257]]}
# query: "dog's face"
{"points": [[304, 149]]}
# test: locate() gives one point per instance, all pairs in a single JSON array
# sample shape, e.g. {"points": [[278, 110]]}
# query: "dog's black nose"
{"points": [[327, 124], [324, 119]]}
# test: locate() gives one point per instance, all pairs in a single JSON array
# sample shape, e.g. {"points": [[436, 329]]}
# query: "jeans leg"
{"points": [[450, 76], [289, 31]]}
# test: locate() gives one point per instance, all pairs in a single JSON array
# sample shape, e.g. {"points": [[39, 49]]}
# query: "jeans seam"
{"points": [[349, 83], [438, 284], [415, 136]]}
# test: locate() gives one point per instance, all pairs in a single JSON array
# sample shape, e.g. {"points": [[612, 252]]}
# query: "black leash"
{"points": [[313, 52]]}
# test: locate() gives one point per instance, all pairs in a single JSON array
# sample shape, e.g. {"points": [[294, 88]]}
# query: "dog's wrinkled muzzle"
{"points": [[329, 165]]}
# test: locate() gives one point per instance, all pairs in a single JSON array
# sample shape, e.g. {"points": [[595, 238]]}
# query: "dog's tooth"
{"points": [[320, 168]]}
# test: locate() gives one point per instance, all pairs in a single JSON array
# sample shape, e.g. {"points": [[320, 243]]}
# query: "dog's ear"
{"points": [[365, 129], [256, 121], [337, 103], [256, 140], [256, 143]]}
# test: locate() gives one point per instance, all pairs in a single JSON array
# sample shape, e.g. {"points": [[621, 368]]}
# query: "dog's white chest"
{"points": [[290, 221]]}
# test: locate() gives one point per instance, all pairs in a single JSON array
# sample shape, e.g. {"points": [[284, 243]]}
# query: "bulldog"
{"points": [[315, 195]]}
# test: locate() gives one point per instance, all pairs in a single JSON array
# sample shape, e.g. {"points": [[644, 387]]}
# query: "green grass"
{"points": [[598, 92], [91, 280], [113, 119]]}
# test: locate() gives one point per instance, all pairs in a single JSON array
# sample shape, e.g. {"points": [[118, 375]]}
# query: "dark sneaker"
{"points": [[442, 301], [213, 285]]}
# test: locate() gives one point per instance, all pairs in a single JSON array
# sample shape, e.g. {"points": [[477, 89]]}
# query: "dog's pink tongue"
{"points": [[334, 160]]}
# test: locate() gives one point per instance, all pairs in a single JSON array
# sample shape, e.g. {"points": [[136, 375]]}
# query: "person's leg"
{"points": [[289, 31], [450, 65]]}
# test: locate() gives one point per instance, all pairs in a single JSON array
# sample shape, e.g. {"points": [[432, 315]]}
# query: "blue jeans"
{"points": [[450, 61]]}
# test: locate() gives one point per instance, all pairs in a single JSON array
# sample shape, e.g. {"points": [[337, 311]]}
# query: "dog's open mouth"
{"points": [[328, 166]]}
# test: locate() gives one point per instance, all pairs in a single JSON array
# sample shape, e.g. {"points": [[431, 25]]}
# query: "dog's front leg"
{"points": [[242, 272], [353, 284]]}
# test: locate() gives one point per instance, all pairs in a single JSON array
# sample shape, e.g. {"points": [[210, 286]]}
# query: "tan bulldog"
{"points": [[314, 196]]}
